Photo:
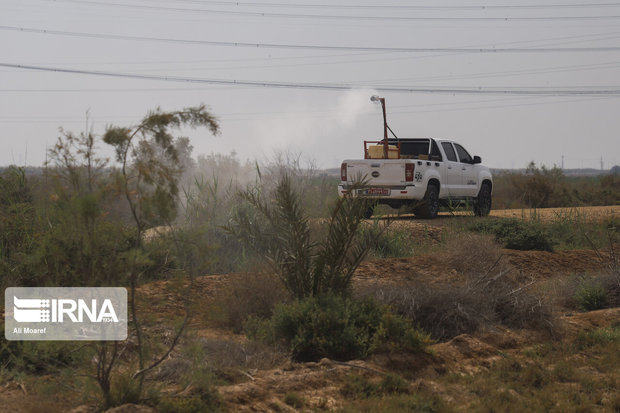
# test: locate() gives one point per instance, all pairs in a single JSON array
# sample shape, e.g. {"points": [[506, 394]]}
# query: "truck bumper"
{"points": [[408, 192]]}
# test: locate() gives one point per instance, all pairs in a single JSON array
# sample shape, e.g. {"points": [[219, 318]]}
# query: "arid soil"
{"points": [[598, 212]]}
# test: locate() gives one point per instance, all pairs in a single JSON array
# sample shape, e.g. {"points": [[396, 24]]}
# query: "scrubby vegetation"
{"points": [[337, 327], [543, 187]]}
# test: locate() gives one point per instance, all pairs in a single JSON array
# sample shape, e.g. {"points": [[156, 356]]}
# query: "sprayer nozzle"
{"points": [[374, 99]]}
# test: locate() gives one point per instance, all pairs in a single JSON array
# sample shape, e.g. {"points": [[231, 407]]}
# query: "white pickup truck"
{"points": [[422, 173]]}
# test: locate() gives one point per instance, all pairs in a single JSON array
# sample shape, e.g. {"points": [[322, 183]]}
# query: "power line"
{"points": [[486, 75], [399, 7], [111, 90], [539, 91], [321, 114], [317, 47], [341, 17]]}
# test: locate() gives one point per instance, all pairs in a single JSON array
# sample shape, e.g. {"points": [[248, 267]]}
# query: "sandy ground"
{"points": [[589, 213]]}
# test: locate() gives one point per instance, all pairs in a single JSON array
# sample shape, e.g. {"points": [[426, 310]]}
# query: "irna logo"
{"points": [[72, 313], [32, 310]]}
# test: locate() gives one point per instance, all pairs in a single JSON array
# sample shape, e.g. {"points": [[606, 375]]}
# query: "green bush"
{"points": [[294, 400], [591, 296], [194, 404], [342, 328], [598, 337], [357, 387], [40, 356], [393, 244], [124, 390], [516, 234], [394, 384]]}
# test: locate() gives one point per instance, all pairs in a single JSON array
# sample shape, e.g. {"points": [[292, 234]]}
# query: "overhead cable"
{"points": [[319, 47], [341, 16], [397, 7], [540, 91]]}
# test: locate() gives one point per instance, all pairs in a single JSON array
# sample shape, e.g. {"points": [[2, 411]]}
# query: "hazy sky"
{"points": [[513, 81]]}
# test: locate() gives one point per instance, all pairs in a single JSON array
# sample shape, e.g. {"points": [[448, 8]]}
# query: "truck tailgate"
{"points": [[377, 172]]}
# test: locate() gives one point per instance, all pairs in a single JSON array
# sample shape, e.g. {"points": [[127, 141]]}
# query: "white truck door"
{"points": [[453, 170], [469, 173]]}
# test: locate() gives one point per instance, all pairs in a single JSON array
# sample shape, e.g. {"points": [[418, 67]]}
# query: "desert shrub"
{"points": [[206, 362], [483, 301], [358, 387], [591, 296], [541, 186], [588, 293], [394, 384], [598, 337], [420, 401], [249, 295], [516, 234], [393, 243], [565, 372], [610, 279], [294, 400], [205, 209], [342, 329], [193, 404], [19, 224], [193, 368], [226, 358], [125, 390], [40, 356], [470, 253]]}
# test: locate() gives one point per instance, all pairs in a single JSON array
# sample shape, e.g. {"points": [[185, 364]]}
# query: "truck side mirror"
{"points": [[477, 159]]}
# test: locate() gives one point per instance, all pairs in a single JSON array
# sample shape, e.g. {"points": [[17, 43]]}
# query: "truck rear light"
{"points": [[343, 171], [409, 167]]}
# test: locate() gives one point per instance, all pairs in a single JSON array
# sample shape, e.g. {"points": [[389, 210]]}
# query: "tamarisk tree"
{"points": [[148, 177]]}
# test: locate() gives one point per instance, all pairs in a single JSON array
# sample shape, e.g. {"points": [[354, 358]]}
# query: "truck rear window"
{"points": [[413, 148]]}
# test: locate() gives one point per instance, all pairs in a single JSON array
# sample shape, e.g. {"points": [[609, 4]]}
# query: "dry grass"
{"points": [[481, 302], [470, 253], [252, 294], [482, 296], [226, 360]]}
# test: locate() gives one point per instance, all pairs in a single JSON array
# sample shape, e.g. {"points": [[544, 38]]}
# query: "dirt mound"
{"points": [[542, 264], [319, 384], [432, 269]]}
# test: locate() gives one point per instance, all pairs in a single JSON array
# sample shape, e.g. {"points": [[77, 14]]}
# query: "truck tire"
{"points": [[429, 206], [482, 203]]}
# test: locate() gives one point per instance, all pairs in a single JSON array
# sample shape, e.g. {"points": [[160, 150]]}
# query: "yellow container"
{"points": [[376, 152]]}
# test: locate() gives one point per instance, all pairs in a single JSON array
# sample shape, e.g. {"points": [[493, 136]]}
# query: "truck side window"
{"points": [[463, 155], [435, 153], [449, 150]]}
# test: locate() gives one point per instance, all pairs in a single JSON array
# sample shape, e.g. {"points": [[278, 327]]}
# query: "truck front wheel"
{"points": [[482, 204], [429, 206]]}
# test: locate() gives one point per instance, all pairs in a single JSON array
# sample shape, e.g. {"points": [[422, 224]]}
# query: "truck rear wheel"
{"points": [[482, 204], [429, 206]]}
